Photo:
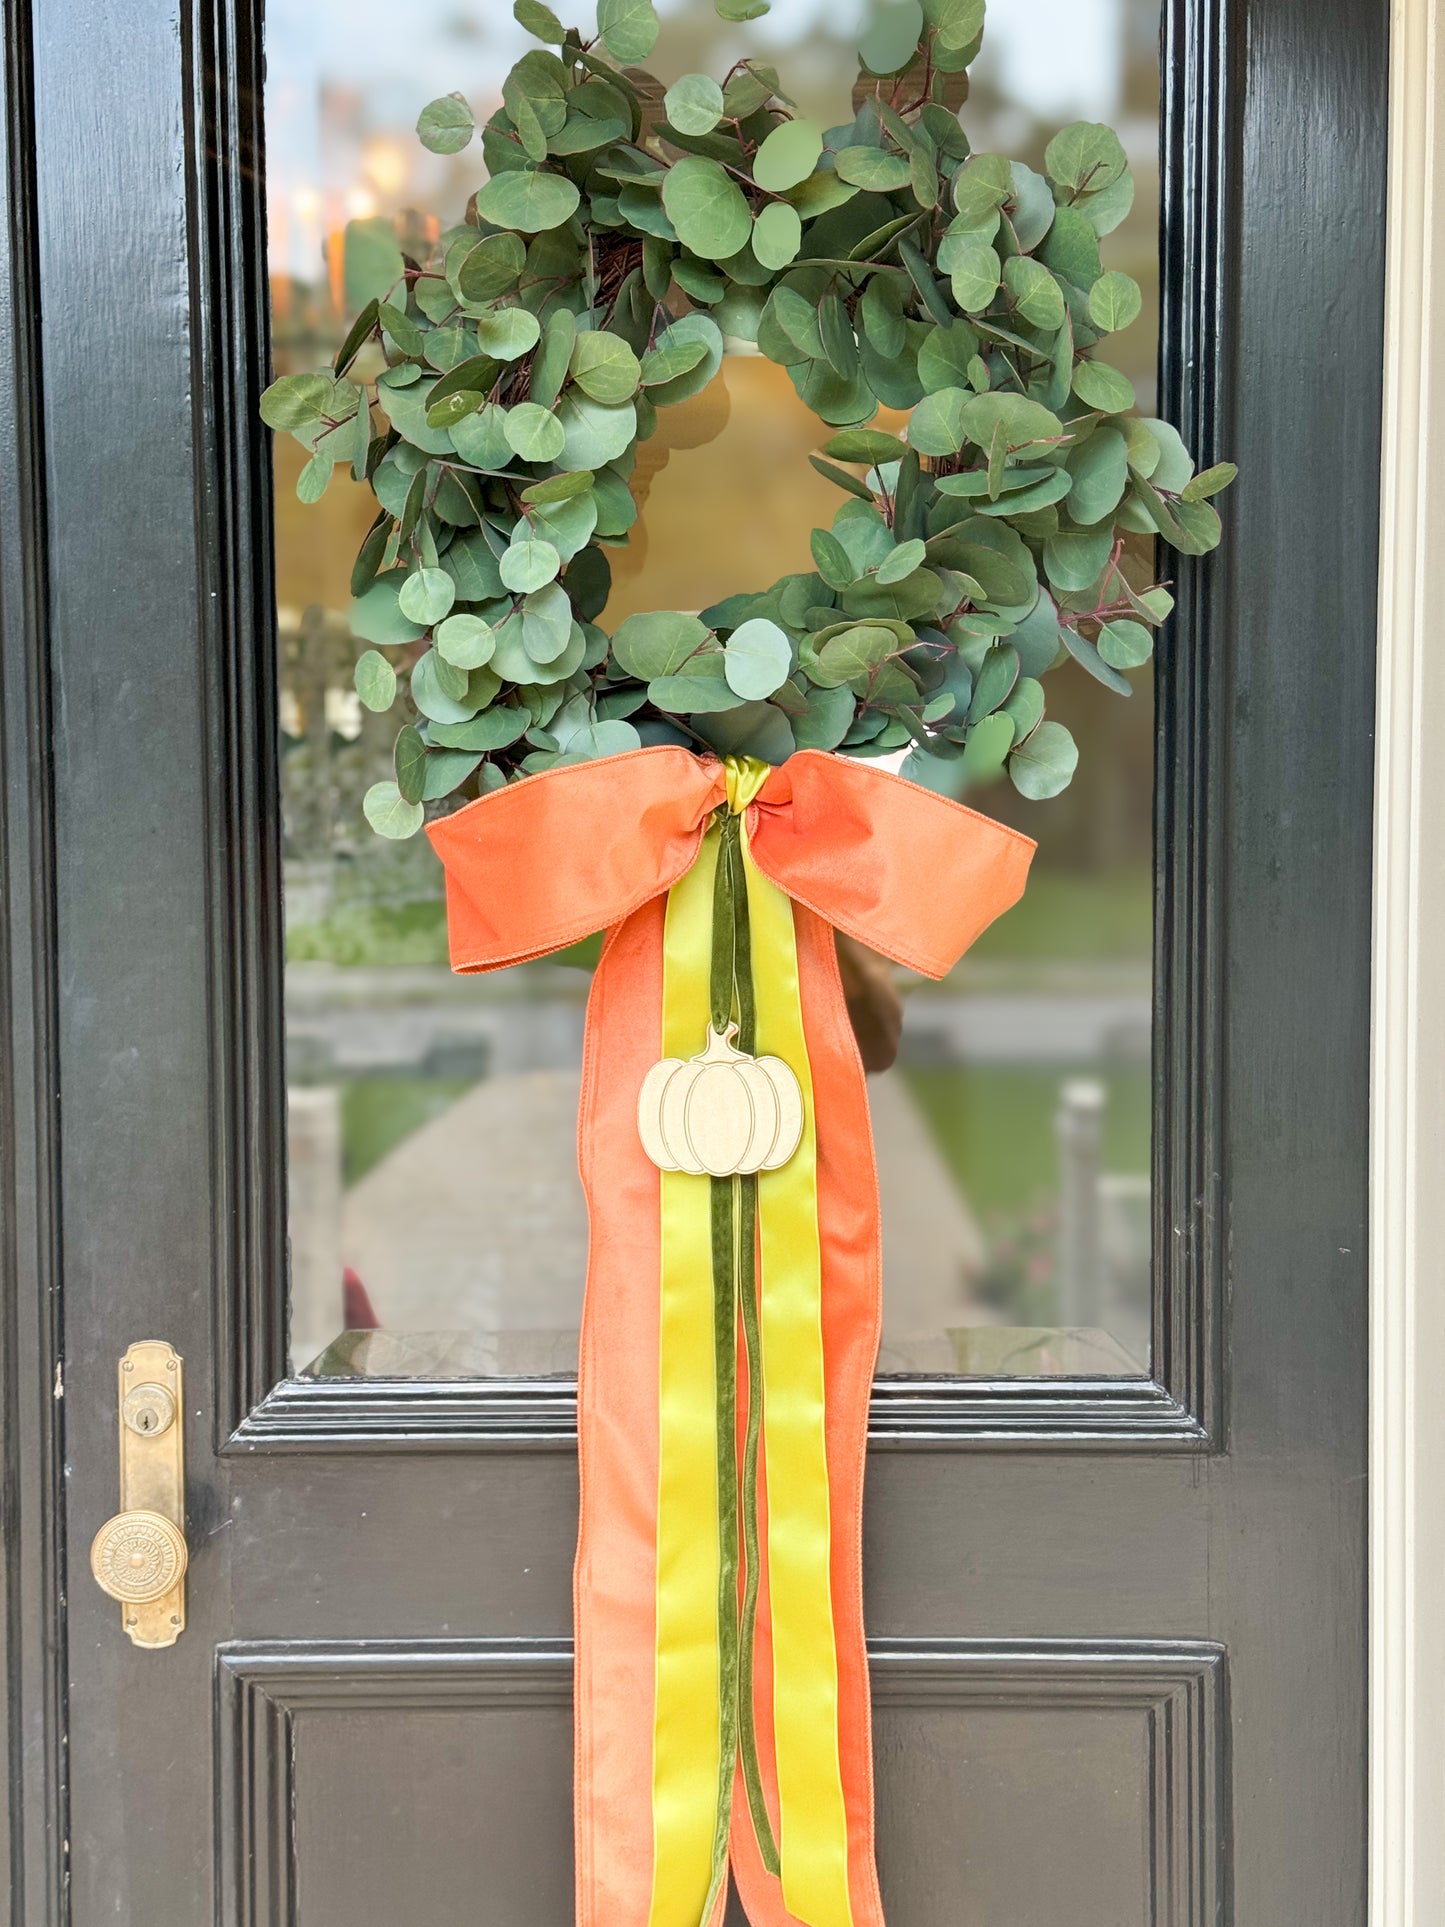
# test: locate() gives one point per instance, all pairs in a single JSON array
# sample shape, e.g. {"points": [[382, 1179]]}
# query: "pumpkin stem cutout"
{"points": [[722, 1112]]}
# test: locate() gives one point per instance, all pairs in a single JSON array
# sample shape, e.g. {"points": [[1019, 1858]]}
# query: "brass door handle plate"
{"points": [[139, 1557]]}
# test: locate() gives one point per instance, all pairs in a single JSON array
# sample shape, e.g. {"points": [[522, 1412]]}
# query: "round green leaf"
{"points": [[699, 686], [529, 200], [539, 21], [757, 658], [481, 439], [435, 701], [389, 814], [869, 445], [1125, 645], [296, 401], [609, 737], [907, 557], [891, 38], [311, 482], [664, 364], [494, 266], [777, 236], [1024, 422], [508, 333], [593, 432], [694, 104], [1097, 385], [408, 759], [1036, 294], [547, 623], [465, 641], [375, 681], [427, 595], [988, 745], [1073, 559], [936, 424], [873, 168], [446, 125], [1085, 158], [1114, 301], [973, 268], [788, 156], [529, 565], [1100, 471], [628, 28], [854, 656], [657, 643], [534, 433], [687, 333], [707, 207], [377, 616], [1045, 764], [568, 525], [957, 22], [604, 367]]}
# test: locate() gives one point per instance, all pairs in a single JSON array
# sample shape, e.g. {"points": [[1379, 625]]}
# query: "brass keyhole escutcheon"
{"points": [[139, 1556]]}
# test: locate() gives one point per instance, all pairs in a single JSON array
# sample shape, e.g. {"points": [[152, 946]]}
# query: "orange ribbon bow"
{"points": [[545, 863]]}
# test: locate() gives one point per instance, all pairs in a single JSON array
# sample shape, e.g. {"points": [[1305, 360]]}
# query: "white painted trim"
{"points": [[1407, 1442]]}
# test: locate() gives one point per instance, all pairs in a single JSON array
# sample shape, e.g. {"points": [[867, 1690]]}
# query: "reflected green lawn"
{"points": [[377, 1113], [995, 1126]]}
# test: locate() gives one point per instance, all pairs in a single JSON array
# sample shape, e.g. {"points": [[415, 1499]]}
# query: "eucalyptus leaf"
{"points": [[534, 432], [529, 200], [694, 104], [465, 641], [375, 681], [873, 168], [389, 813], [1045, 764], [707, 208], [530, 564], [700, 684], [604, 367], [1114, 302], [757, 658], [508, 333], [628, 28], [446, 125], [658, 644], [777, 236], [427, 595], [788, 156]]}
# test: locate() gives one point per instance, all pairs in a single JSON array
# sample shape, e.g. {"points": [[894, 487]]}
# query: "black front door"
{"points": [[1115, 1572]]}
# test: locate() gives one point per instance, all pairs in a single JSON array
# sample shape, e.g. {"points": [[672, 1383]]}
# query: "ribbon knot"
{"points": [[721, 1691]]}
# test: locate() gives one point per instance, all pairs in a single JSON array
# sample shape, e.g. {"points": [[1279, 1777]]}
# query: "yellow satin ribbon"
{"points": [[687, 1723]]}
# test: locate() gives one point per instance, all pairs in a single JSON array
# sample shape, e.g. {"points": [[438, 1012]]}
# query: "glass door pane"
{"points": [[437, 1223]]}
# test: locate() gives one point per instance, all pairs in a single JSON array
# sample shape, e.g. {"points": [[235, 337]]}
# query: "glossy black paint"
{"points": [[1192, 1551]]}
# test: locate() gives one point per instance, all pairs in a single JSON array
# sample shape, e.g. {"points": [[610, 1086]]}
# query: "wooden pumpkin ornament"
{"points": [[721, 1112]]}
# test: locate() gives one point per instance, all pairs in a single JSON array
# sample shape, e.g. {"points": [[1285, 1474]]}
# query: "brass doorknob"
{"points": [[138, 1557]]}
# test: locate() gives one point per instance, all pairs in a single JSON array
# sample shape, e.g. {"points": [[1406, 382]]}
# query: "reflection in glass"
{"points": [[437, 1223]]}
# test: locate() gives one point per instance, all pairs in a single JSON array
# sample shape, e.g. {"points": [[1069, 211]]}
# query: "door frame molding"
{"points": [[1407, 1334], [34, 1846]]}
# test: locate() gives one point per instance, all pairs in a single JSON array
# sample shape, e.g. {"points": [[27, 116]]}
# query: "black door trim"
{"points": [[33, 1847]]}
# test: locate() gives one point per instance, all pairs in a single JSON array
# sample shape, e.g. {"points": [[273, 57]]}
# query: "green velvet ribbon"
{"points": [[735, 1289]]}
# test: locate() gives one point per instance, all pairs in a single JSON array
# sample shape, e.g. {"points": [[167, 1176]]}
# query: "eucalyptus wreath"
{"points": [[493, 394]]}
